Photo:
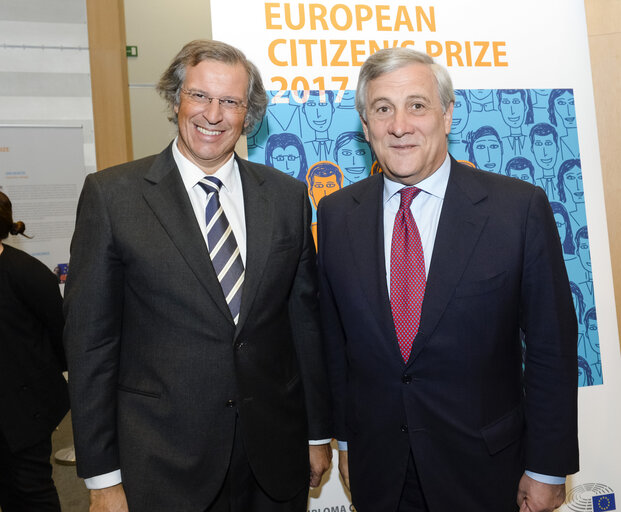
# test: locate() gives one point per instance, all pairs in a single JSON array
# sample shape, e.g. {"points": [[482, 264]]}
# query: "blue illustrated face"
{"points": [[480, 94], [561, 225], [564, 109], [354, 159], [460, 115], [513, 109], [318, 113], [572, 181], [584, 255], [521, 174], [287, 160], [348, 99], [488, 153], [593, 336], [545, 151]]}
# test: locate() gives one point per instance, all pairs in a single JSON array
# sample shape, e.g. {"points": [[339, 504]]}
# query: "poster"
{"points": [[42, 171], [524, 107]]}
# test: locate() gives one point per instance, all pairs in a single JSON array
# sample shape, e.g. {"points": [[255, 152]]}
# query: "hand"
{"points": [[534, 496], [344, 467], [320, 458], [109, 499]]}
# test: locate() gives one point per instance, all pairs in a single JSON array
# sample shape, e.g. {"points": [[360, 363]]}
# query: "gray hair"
{"points": [[390, 59], [169, 86]]}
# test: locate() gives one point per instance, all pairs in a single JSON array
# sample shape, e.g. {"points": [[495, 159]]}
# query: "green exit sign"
{"points": [[131, 51]]}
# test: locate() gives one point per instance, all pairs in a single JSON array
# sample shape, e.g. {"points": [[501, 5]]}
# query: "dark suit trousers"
{"points": [[412, 499], [26, 481], [242, 493]]}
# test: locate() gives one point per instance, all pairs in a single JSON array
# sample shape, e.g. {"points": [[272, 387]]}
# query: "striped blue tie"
{"points": [[223, 249]]}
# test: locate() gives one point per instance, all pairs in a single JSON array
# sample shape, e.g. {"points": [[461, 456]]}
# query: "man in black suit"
{"points": [[196, 366], [422, 306]]}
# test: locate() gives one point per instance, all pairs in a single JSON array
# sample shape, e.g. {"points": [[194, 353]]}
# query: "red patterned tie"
{"points": [[407, 273]]}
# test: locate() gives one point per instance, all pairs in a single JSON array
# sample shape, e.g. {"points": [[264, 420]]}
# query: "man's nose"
{"points": [[213, 111], [401, 123]]}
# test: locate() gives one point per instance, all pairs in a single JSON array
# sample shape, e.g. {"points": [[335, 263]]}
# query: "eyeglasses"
{"points": [[228, 104], [281, 158]]}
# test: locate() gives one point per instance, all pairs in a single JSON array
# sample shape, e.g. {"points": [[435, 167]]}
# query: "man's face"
{"points": [[513, 109], [207, 132], [564, 109], [405, 124], [488, 153], [318, 113], [354, 159], [287, 160], [521, 174], [323, 186], [460, 114], [584, 255], [545, 150], [572, 181]]}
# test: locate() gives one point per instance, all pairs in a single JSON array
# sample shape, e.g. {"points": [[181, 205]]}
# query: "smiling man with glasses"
{"points": [[196, 367]]}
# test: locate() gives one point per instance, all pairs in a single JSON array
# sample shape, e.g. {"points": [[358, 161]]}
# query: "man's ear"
{"points": [[365, 129], [448, 118]]}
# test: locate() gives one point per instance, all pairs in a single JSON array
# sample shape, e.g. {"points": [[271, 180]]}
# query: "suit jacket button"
{"points": [[230, 403], [404, 428], [406, 379], [239, 344]]}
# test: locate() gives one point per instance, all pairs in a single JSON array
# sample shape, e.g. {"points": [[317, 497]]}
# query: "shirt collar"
{"points": [[191, 174], [435, 184]]}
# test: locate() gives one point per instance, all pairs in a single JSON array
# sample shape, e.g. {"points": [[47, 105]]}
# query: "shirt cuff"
{"points": [[342, 446], [103, 481], [546, 479], [316, 442]]}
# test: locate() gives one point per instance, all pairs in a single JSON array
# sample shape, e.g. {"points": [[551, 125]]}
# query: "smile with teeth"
{"points": [[204, 131]]}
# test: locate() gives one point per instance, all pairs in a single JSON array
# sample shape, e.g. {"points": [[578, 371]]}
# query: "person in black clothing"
{"points": [[33, 391]]}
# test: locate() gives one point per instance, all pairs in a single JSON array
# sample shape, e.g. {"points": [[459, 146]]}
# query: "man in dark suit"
{"points": [[422, 305], [196, 366]]}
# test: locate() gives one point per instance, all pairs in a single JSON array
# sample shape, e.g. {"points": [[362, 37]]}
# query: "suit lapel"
{"points": [[166, 196], [259, 214], [459, 228], [365, 223]]}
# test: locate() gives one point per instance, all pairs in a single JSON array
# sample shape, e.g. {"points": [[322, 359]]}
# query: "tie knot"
{"points": [[407, 196], [210, 184]]}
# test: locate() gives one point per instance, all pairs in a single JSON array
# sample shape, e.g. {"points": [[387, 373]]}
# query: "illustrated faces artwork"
{"points": [[545, 150], [512, 109], [487, 152], [572, 181], [564, 109]]}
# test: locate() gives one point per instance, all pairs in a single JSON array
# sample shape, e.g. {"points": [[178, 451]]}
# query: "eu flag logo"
{"points": [[604, 502]]}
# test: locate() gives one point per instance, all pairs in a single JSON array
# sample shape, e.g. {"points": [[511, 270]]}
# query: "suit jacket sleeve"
{"points": [[304, 313], [93, 311], [548, 320], [333, 335]]}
